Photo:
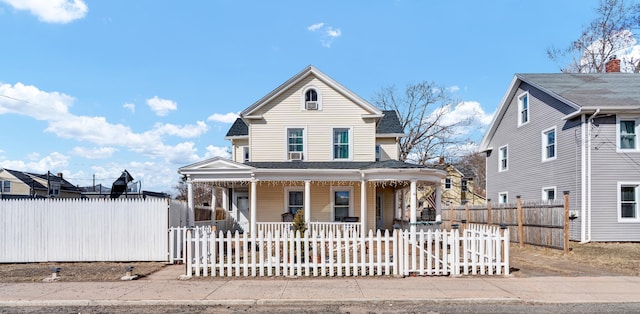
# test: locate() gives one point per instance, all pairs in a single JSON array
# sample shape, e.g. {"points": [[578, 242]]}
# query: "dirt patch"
{"points": [[96, 271], [591, 259]]}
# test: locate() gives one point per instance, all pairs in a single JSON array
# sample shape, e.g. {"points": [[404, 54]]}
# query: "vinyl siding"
{"points": [[527, 173], [268, 136], [271, 202], [608, 168], [237, 150], [388, 148]]}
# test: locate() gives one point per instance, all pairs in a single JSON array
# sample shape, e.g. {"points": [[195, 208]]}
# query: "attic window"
{"points": [[312, 99]]}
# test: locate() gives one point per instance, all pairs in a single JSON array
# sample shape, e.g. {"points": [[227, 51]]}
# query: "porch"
{"points": [[370, 196]]}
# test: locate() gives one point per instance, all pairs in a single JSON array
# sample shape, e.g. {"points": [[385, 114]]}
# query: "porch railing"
{"points": [[315, 228]]}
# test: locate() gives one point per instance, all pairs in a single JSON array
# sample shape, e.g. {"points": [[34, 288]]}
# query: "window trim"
{"points": [[246, 154], [450, 183], [335, 189], [304, 141], [545, 143], [350, 143], [520, 108], [289, 189], [2, 186], [636, 120], [636, 185], [506, 197], [500, 168], [303, 106], [545, 194], [464, 185]]}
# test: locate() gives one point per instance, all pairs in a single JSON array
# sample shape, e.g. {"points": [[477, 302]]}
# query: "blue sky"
{"points": [[95, 87]]}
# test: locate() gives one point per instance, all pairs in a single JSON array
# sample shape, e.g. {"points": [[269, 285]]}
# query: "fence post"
{"points": [[187, 254], [489, 218], [520, 220], [504, 245], [566, 222]]}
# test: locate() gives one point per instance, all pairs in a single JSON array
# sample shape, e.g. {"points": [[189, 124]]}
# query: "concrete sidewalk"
{"points": [[164, 288]]}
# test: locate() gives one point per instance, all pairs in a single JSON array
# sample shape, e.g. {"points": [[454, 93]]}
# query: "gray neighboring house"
{"points": [[571, 132]]}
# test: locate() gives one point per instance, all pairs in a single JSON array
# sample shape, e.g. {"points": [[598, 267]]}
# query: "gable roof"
{"points": [[390, 123], [30, 180], [239, 128], [585, 92], [310, 70]]}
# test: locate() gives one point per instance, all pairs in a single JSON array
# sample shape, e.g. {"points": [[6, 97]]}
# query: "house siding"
{"points": [[238, 145], [527, 173], [608, 167], [268, 136], [272, 202], [388, 148]]}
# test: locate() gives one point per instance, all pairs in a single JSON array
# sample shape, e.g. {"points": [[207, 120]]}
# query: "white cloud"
{"points": [[130, 106], [216, 151], [187, 131], [161, 106], [453, 89], [52, 11], [328, 33], [224, 118], [30, 101], [315, 27], [94, 153], [52, 162], [469, 114]]}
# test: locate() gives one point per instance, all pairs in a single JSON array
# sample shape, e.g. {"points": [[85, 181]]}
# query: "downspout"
{"points": [[589, 125]]}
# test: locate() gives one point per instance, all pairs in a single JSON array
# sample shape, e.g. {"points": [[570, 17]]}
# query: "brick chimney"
{"points": [[60, 175], [613, 65], [441, 160]]}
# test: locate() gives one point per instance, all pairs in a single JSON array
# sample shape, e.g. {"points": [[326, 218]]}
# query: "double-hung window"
{"points": [[341, 139], [447, 183], [295, 143], [464, 186], [523, 109], [295, 200], [628, 202], [503, 158], [549, 144], [549, 193], [5, 186], [341, 202], [502, 197], [627, 134]]}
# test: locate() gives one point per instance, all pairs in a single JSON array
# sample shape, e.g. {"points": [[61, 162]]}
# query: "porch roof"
{"points": [[224, 170]]}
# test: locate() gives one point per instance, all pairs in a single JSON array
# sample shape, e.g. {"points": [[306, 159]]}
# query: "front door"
{"points": [[379, 212], [241, 207]]}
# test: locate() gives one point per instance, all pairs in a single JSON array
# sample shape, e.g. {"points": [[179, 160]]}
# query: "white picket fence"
{"points": [[479, 250], [83, 230]]}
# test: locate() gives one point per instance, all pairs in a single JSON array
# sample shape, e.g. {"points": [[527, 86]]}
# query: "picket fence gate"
{"points": [[477, 250]]}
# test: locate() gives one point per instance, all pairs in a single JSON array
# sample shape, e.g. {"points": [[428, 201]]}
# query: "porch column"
{"points": [[190, 213], [307, 201], [225, 200], [363, 207], [253, 208], [438, 202], [412, 201], [397, 205]]}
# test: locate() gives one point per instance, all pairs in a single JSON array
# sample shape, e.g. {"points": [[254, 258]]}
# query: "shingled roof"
{"points": [[390, 123]]}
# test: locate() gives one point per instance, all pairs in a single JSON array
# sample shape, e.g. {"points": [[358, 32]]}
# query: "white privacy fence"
{"points": [[401, 253], [78, 230]]}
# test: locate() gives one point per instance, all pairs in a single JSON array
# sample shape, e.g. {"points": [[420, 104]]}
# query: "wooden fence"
{"points": [[479, 250], [82, 230], [534, 223]]}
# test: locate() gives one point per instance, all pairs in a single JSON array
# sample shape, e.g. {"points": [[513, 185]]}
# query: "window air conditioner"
{"points": [[295, 155], [311, 105]]}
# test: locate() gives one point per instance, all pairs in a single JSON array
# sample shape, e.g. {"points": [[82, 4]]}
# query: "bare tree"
{"points": [[423, 109], [608, 34], [476, 161]]}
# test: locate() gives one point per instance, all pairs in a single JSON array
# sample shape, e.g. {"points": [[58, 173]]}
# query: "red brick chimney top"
{"points": [[613, 65]]}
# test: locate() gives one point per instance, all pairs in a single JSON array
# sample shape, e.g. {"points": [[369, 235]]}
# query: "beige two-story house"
{"points": [[20, 184], [314, 145]]}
